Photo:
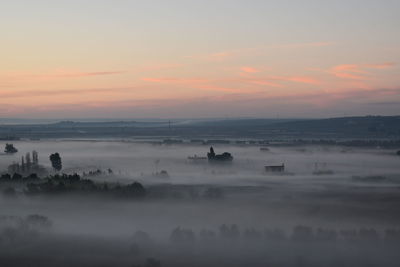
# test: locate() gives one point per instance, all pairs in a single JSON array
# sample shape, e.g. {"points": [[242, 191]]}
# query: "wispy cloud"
{"points": [[250, 69], [380, 66], [232, 53], [215, 57], [81, 74], [232, 103], [265, 83], [59, 74], [174, 80], [276, 81], [219, 88], [158, 66], [41, 93], [357, 71], [301, 45], [297, 79]]}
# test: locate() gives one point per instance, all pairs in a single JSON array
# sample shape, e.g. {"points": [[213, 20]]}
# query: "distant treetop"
{"points": [[10, 149]]}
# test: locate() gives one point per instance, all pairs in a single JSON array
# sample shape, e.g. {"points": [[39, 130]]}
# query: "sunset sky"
{"points": [[197, 59]]}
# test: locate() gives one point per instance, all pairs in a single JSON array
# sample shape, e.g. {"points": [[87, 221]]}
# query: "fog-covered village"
{"points": [[199, 133], [180, 202]]}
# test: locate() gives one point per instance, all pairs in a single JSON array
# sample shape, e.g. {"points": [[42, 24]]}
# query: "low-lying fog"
{"points": [[135, 161], [337, 189]]}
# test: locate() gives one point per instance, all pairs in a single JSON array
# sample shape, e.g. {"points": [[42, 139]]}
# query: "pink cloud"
{"points": [[295, 79], [264, 82], [83, 74], [249, 69], [357, 71], [218, 88], [39, 93], [234, 104], [303, 79], [380, 66], [57, 75], [174, 80]]}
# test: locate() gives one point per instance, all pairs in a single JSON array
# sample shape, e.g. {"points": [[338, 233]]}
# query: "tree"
{"points": [[35, 158], [56, 161], [23, 164], [28, 161], [10, 149]]}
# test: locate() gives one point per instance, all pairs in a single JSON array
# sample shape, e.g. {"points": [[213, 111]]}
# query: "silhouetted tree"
{"points": [[35, 158], [28, 161], [5, 177], [10, 149], [32, 176], [16, 177], [56, 161], [23, 164]]}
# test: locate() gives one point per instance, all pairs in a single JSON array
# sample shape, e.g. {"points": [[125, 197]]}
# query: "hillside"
{"points": [[368, 127]]}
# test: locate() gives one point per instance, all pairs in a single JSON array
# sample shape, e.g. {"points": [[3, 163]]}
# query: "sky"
{"points": [[199, 59]]}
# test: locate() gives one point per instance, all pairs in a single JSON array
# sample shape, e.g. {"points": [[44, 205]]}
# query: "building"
{"points": [[275, 168]]}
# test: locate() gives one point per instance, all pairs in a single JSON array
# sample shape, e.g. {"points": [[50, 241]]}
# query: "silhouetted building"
{"points": [[275, 168], [227, 157]]}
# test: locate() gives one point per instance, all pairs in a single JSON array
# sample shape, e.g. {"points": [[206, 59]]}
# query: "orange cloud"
{"points": [[82, 74], [219, 88], [302, 79], [39, 93], [380, 66], [174, 80], [267, 83], [249, 70], [357, 71]]}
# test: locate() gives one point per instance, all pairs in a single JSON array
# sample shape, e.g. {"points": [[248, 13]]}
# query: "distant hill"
{"points": [[346, 127], [379, 126]]}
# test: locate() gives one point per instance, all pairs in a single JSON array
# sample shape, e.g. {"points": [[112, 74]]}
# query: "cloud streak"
{"points": [[357, 71], [233, 53], [41, 93], [174, 80], [13, 78], [234, 103]]}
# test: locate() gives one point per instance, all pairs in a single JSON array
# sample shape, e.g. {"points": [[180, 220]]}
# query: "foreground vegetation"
{"points": [[66, 183]]}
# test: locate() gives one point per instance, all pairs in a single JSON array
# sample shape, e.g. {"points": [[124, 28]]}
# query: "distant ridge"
{"points": [[342, 127]]}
